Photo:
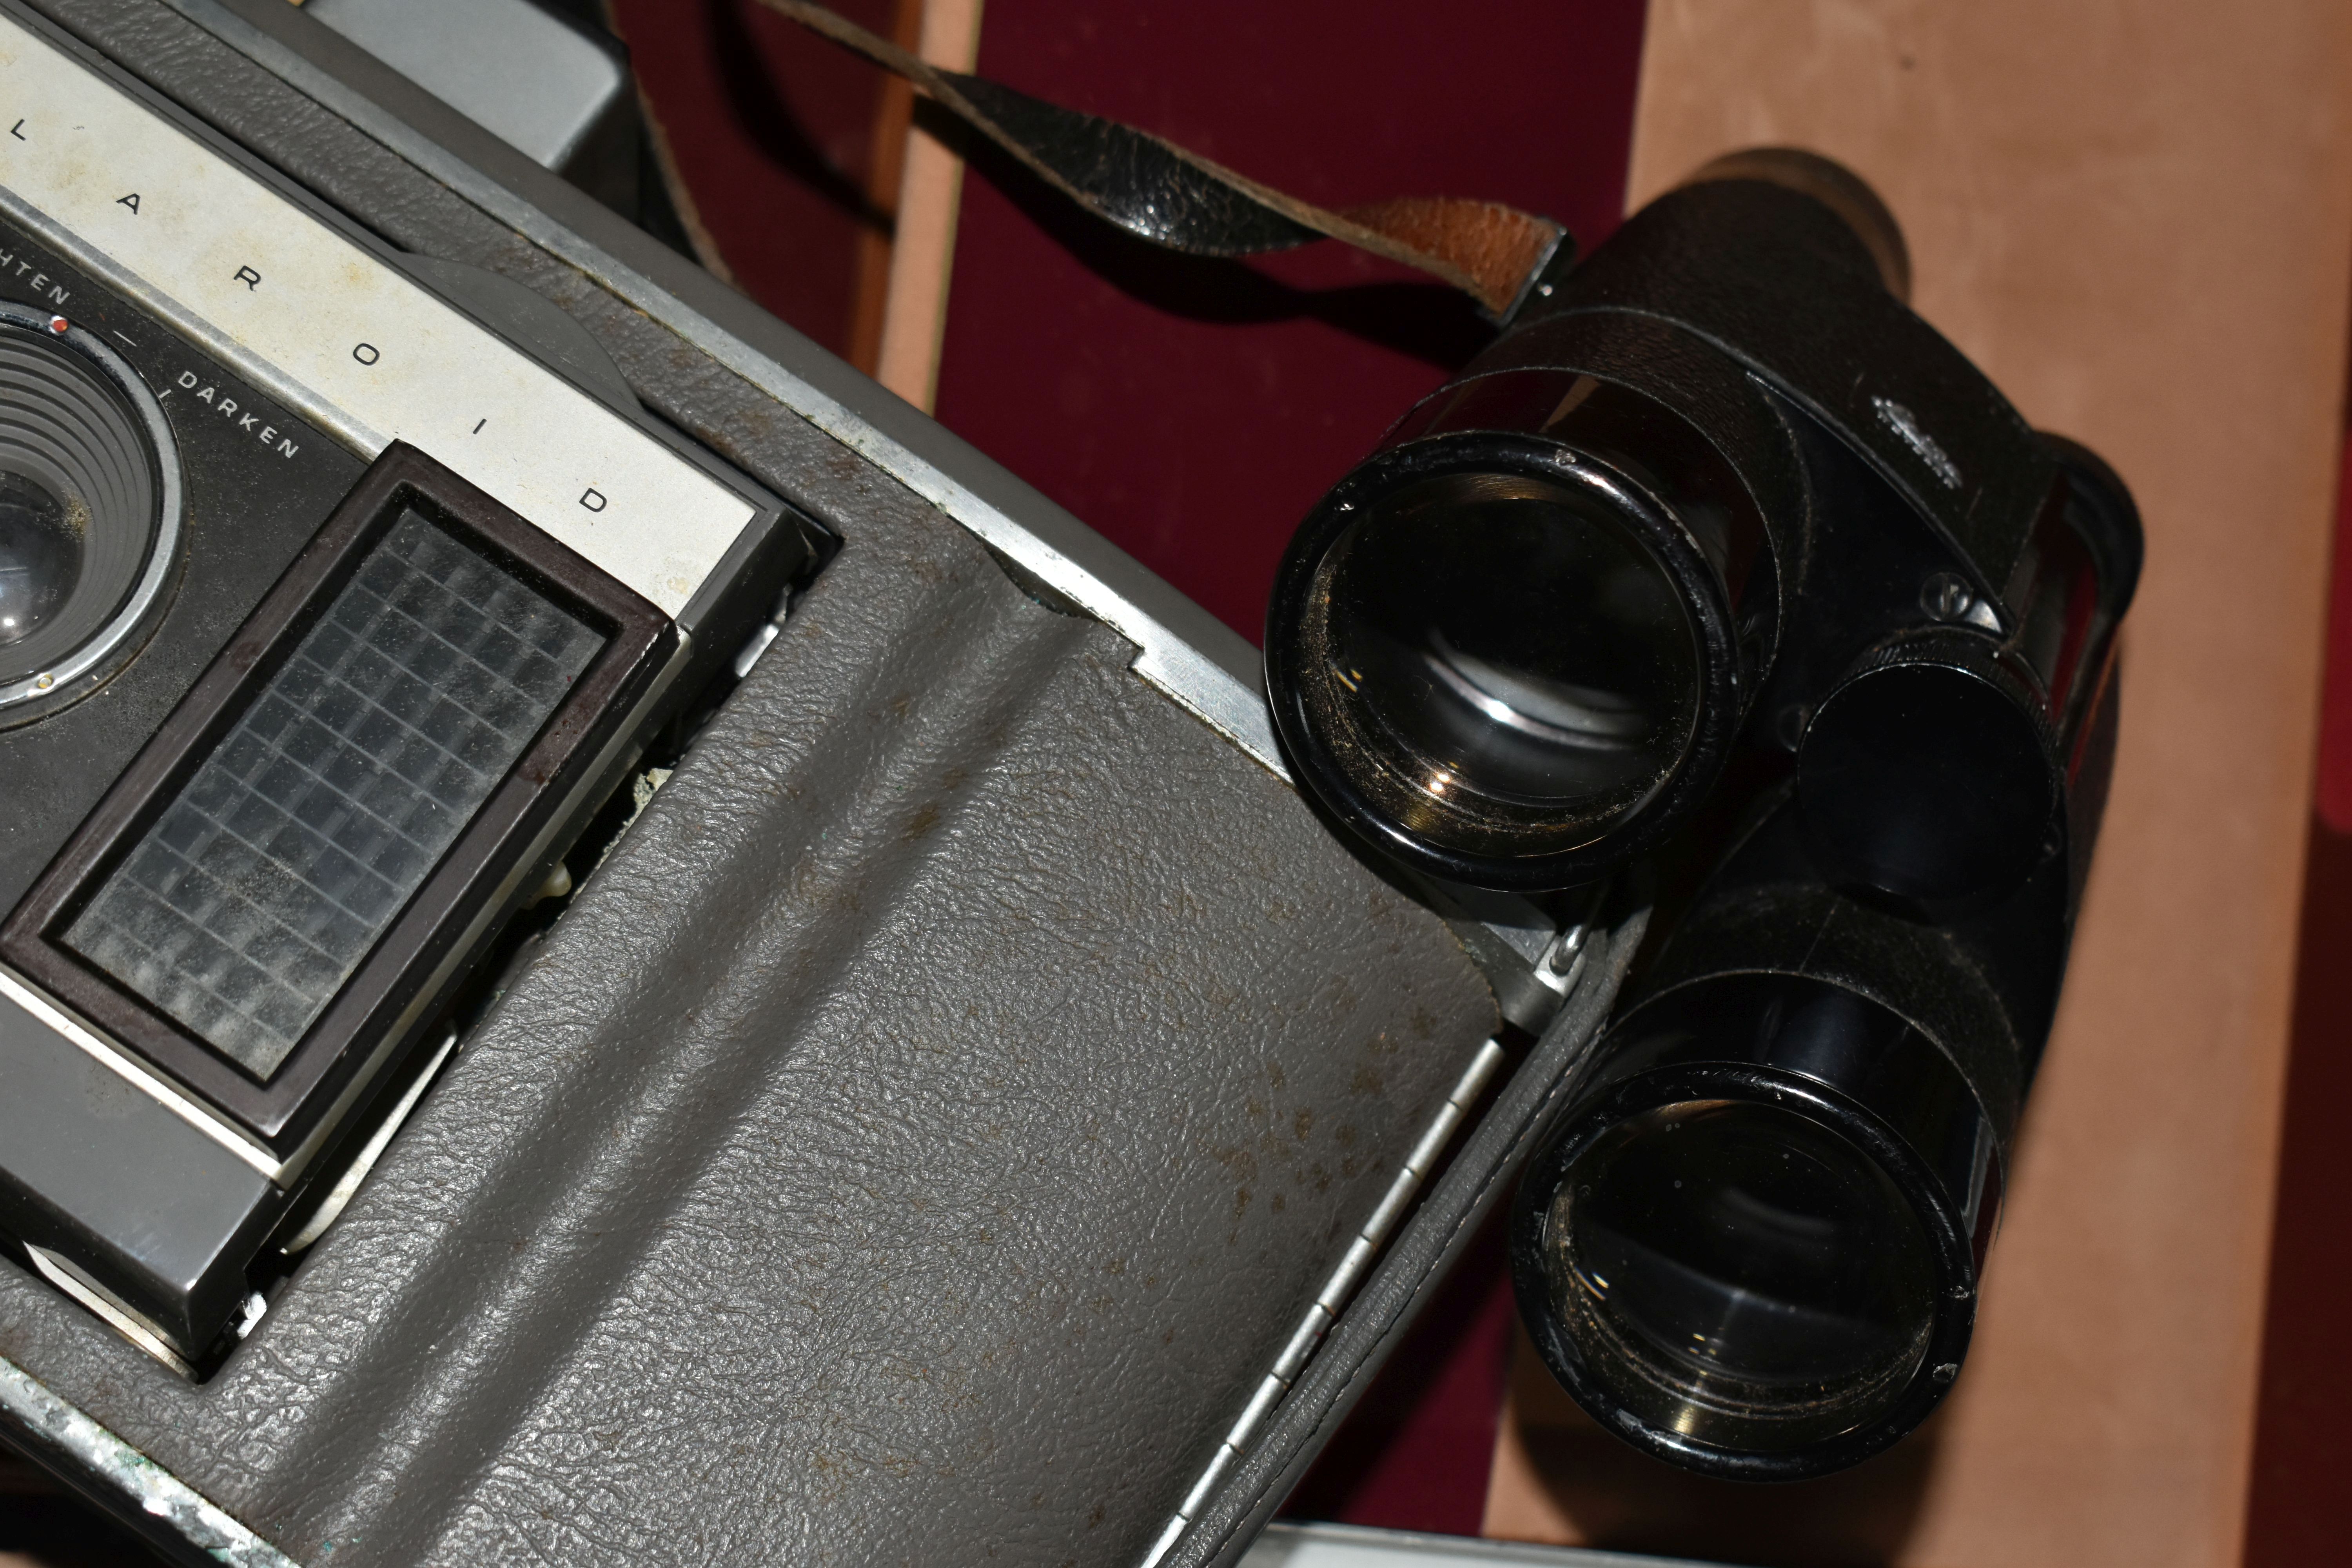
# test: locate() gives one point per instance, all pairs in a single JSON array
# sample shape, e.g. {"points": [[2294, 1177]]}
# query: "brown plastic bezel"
{"points": [[282, 1108]]}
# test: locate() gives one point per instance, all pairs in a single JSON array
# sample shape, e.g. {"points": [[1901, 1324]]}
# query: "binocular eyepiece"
{"points": [[1716, 494]]}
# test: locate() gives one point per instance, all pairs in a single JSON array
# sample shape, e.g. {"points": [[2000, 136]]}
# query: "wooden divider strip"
{"points": [[914, 316]]}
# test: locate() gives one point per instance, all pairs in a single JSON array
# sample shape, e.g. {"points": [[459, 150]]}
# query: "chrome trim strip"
{"points": [[143, 1485], [1332, 1300], [1288, 1545], [117, 1313]]}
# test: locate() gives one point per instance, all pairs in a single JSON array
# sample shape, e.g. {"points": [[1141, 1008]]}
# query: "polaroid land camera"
{"points": [[289, 732], [969, 1106]]}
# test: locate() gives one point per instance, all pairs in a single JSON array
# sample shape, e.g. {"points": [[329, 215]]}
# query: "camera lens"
{"points": [[90, 512], [1741, 1275], [40, 556], [1752, 1244]]}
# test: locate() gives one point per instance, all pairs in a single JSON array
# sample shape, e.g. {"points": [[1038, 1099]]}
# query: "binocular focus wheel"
{"points": [[1927, 779]]}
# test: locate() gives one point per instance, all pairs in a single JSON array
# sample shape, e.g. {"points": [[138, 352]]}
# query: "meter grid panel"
{"points": [[291, 849]]}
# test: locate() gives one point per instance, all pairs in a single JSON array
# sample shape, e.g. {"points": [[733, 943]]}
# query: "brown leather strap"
{"points": [[1162, 192]]}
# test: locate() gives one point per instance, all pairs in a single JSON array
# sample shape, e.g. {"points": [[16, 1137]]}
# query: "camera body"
{"points": [[974, 1016], [289, 733]]}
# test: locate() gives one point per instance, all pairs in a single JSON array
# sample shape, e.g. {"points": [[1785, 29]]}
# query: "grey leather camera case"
{"points": [[946, 1105]]}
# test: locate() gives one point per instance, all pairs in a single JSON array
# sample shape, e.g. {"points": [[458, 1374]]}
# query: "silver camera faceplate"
{"points": [[336, 331]]}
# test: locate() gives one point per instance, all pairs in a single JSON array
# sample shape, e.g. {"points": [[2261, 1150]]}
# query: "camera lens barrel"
{"points": [[1929, 774], [90, 512], [1935, 772], [1742, 1266], [1727, 406]]}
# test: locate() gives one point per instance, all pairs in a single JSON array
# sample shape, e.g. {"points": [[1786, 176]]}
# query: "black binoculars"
{"points": [[1720, 556]]}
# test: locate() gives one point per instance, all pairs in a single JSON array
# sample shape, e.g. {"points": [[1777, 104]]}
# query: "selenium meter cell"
{"points": [[310, 824]]}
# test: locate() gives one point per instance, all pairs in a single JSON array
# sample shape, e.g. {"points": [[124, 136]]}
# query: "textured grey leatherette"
{"points": [[916, 1141]]}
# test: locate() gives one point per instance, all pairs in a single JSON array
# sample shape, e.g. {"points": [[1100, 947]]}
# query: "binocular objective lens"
{"points": [[1506, 642], [40, 556], [1741, 1275]]}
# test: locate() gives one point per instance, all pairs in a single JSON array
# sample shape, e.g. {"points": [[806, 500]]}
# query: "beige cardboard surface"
{"points": [[2136, 214]]}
